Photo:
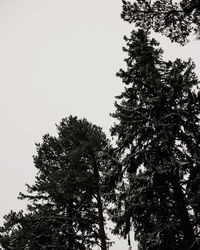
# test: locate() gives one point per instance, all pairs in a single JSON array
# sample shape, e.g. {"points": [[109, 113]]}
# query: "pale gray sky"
{"points": [[57, 57]]}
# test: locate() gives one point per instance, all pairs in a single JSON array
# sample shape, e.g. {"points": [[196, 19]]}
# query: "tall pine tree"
{"points": [[157, 137], [65, 209]]}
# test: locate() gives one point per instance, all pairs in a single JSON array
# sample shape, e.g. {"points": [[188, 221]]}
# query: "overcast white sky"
{"points": [[57, 57]]}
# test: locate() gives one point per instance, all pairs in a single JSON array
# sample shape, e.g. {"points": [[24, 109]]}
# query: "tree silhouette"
{"points": [[157, 137], [65, 210], [175, 20]]}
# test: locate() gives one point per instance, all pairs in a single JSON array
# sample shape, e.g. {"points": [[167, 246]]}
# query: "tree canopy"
{"points": [[65, 209], [150, 179], [176, 20], [157, 137]]}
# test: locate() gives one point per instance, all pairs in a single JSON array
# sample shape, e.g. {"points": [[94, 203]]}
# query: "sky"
{"points": [[58, 58]]}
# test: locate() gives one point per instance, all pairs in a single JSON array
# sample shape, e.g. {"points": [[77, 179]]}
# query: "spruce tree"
{"points": [[157, 142], [65, 208]]}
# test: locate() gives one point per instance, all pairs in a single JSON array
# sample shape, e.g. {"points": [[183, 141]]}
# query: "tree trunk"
{"points": [[100, 208], [189, 236], [71, 242]]}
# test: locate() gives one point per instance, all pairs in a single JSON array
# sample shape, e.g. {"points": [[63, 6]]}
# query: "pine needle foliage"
{"points": [[157, 136], [174, 19], [65, 209]]}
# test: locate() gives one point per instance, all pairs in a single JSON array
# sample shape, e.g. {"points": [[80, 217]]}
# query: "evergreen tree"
{"points": [[66, 210], [157, 138], [171, 18]]}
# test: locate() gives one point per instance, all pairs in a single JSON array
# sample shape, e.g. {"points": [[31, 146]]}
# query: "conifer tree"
{"points": [[175, 19], [65, 209], [158, 144]]}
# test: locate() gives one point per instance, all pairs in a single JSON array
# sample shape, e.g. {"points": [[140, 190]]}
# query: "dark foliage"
{"points": [[65, 210], [158, 138], [175, 20]]}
